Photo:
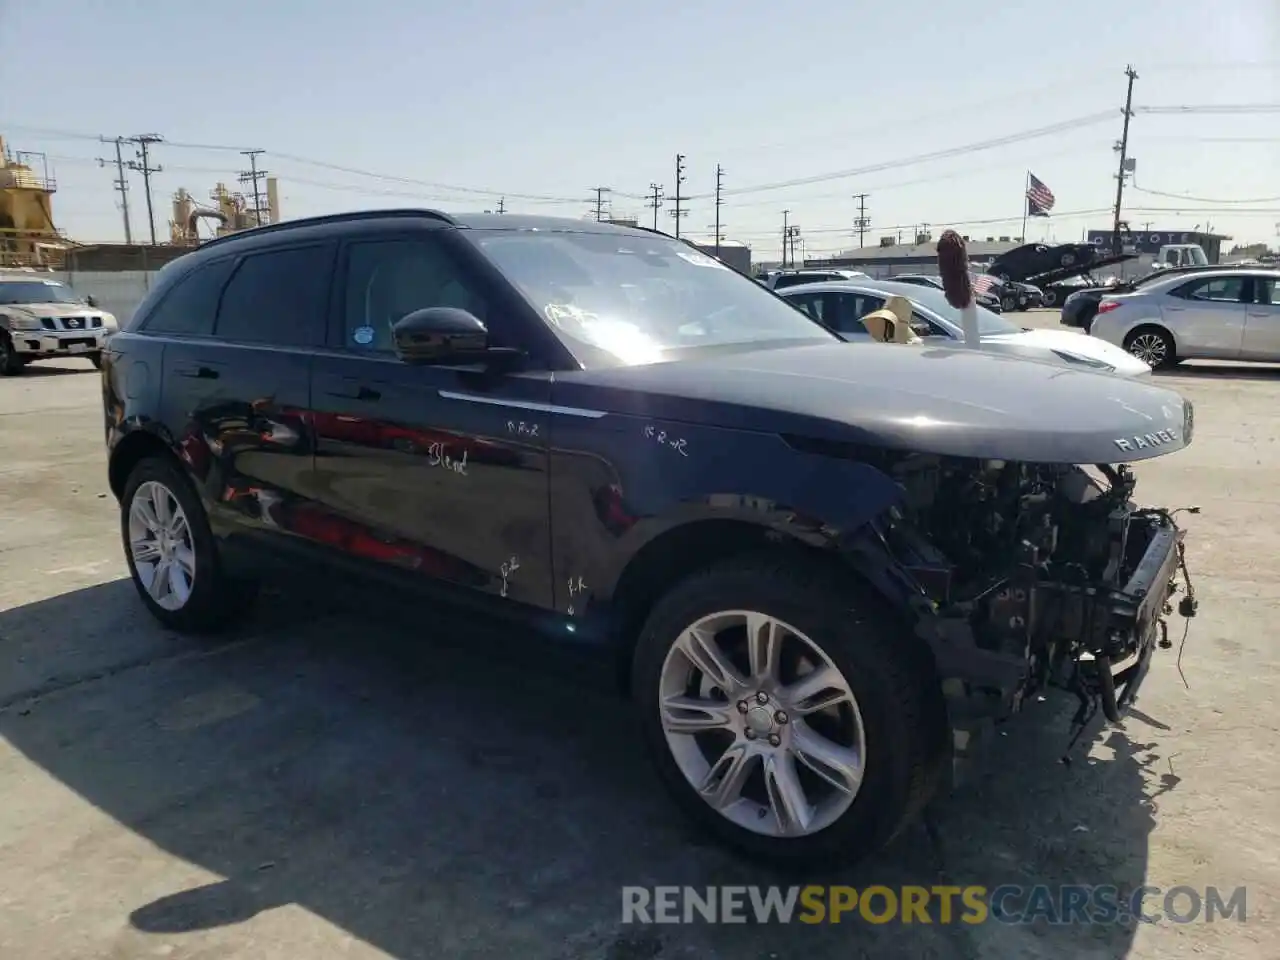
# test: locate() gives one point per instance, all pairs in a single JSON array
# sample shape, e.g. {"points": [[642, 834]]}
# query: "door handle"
{"points": [[366, 394], [198, 373]]}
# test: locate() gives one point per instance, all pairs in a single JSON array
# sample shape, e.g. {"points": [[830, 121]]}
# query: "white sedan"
{"points": [[841, 305]]}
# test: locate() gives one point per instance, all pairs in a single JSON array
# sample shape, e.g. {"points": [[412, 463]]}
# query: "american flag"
{"points": [[982, 283], [1039, 197]]}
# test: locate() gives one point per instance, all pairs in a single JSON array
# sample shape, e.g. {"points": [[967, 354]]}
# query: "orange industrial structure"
{"points": [[230, 211]]}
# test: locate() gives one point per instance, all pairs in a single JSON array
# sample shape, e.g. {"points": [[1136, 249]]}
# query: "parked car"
{"points": [[1217, 314], [842, 305], [1033, 259], [815, 566], [988, 300], [1020, 296], [45, 320], [792, 278]]}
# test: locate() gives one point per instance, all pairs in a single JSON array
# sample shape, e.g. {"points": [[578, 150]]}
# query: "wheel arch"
{"points": [[1157, 326], [132, 449]]}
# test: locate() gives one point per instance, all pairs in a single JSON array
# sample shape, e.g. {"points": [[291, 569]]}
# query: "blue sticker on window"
{"points": [[362, 335]]}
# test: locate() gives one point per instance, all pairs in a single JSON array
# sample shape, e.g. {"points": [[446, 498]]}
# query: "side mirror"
{"points": [[440, 335]]}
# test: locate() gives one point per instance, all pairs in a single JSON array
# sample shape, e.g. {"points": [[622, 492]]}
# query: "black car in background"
{"points": [[1032, 259], [821, 570]]}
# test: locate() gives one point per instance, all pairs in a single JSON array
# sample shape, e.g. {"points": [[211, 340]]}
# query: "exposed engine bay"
{"points": [[1050, 574]]}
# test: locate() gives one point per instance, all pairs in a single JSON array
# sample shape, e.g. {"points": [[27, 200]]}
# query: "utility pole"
{"points": [[253, 175], [599, 201], [1123, 148], [679, 210], [793, 234], [719, 203], [786, 233], [655, 201], [862, 223], [143, 166], [502, 204], [121, 184]]}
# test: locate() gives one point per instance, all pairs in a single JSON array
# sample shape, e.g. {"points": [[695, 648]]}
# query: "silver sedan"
{"points": [[1226, 314]]}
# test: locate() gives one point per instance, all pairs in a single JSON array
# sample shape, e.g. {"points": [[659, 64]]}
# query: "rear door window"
{"points": [[1214, 289], [188, 309], [278, 297]]}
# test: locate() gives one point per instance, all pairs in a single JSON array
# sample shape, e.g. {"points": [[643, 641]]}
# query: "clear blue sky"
{"points": [[555, 98]]}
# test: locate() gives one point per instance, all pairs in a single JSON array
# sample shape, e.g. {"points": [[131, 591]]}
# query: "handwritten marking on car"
{"points": [[437, 457], [678, 444], [577, 587], [507, 569], [1147, 440], [522, 429]]}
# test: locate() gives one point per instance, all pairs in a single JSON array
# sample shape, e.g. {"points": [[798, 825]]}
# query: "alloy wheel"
{"points": [[161, 544], [1150, 348], [762, 724]]}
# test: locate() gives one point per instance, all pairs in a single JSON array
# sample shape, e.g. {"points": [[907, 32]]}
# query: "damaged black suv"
{"points": [[821, 567]]}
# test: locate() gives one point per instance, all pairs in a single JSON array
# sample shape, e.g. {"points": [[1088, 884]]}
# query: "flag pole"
{"points": [[1026, 202]]}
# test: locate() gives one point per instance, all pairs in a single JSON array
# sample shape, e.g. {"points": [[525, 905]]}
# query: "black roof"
{"points": [[463, 221]]}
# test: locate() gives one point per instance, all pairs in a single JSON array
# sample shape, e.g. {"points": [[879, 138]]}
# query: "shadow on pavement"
{"points": [[1204, 369], [437, 789], [40, 369]]}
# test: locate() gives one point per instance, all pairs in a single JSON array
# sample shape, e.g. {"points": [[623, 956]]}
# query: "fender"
{"points": [[644, 478]]}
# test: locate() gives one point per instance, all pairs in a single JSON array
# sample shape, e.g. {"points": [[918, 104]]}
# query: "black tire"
{"points": [[216, 600], [1008, 303], [96, 359], [10, 363], [1068, 259], [1162, 336], [906, 734], [1050, 298]]}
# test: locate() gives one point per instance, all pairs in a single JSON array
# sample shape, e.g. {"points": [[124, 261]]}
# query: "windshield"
{"points": [[934, 300], [620, 299], [36, 291]]}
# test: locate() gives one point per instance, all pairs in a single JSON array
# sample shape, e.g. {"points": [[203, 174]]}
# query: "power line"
{"points": [[1181, 196], [1219, 108], [1122, 147], [1062, 127], [680, 210], [121, 185], [253, 175], [143, 166], [655, 201]]}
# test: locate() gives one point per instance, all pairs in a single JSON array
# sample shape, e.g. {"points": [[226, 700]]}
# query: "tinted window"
{"points": [[189, 306], [387, 279], [810, 303], [277, 298], [1217, 289], [1267, 291]]}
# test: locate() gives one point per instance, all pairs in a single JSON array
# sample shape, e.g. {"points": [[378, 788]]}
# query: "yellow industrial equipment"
{"points": [[28, 237], [232, 211]]}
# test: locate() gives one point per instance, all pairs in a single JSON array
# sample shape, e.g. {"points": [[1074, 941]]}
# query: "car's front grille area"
{"points": [[71, 323]]}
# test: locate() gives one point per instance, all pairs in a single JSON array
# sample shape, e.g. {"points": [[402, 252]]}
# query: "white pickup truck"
{"points": [[44, 319]]}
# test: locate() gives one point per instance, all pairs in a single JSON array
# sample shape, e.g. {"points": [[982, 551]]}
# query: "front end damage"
{"points": [[1025, 577]]}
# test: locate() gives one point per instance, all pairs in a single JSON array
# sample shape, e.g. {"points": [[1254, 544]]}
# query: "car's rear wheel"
{"points": [[784, 714], [171, 551], [1008, 303], [10, 363], [1153, 346], [1050, 298]]}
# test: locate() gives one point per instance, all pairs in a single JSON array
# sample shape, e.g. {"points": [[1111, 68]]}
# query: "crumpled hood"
{"points": [[1066, 341], [954, 401]]}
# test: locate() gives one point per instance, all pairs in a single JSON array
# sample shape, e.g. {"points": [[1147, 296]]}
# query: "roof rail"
{"points": [[330, 218]]}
